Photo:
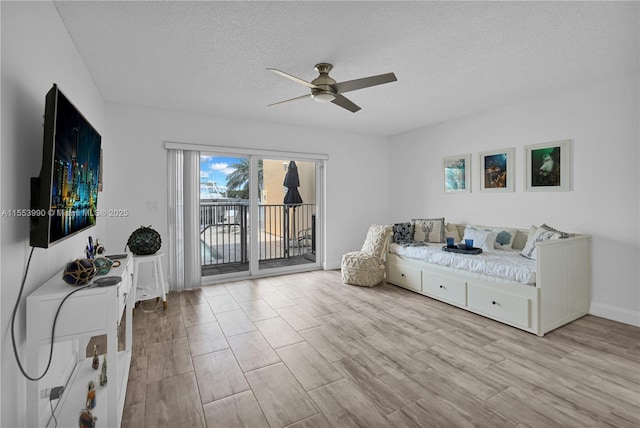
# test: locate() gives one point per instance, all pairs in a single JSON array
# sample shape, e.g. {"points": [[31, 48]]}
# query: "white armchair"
{"points": [[367, 266]]}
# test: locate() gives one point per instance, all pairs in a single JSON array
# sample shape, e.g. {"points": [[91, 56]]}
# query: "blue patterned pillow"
{"points": [[402, 232], [504, 240]]}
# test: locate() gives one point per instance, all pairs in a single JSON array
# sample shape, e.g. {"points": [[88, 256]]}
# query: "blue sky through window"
{"points": [[216, 168]]}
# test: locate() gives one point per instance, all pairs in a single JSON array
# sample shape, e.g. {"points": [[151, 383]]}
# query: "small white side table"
{"points": [[155, 290]]}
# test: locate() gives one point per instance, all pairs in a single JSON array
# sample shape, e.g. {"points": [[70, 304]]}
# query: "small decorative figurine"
{"points": [[91, 395], [103, 374], [100, 250], [87, 420], [96, 361]]}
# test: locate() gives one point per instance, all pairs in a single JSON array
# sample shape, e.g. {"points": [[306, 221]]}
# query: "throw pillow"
{"points": [[403, 232], [451, 231], [537, 235], [504, 240], [484, 239], [563, 235], [428, 229]]}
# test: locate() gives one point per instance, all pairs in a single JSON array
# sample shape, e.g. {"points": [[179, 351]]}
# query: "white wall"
{"points": [[356, 170], [36, 52], [602, 120], [367, 180]]}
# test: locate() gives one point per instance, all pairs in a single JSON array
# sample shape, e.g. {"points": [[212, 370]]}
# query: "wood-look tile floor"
{"points": [[305, 350]]}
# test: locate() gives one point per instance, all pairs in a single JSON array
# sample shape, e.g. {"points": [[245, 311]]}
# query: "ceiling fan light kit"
{"points": [[323, 96], [324, 89]]}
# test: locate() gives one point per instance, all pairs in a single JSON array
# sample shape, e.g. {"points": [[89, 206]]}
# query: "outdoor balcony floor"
{"points": [[264, 264]]}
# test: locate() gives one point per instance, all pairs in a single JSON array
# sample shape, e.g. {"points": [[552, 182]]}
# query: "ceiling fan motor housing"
{"points": [[325, 92], [324, 89]]}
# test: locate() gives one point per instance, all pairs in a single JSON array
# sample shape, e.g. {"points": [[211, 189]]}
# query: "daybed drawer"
{"points": [[445, 288], [501, 306], [405, 276]]}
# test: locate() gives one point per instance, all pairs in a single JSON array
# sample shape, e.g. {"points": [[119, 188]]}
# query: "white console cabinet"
{"points": [[89, 312]]}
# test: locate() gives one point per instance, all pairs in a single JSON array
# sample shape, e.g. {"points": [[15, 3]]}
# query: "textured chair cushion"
{"points": [[376, 242], [366, 267], [362, 269]]}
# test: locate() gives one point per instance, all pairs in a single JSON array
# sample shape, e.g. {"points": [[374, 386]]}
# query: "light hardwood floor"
{"points": [[305, 350]]}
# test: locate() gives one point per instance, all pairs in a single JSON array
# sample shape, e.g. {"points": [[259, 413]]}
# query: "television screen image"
{"points": [[67, 189]]}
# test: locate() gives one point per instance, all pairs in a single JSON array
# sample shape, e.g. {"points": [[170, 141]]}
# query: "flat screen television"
{"points": [[64, 198]]}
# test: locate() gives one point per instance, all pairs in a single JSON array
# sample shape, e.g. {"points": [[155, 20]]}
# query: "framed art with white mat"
{"points": [[496, 170], [548, 166]]}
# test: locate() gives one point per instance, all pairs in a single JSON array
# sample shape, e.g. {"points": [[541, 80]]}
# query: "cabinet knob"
{"points": [[401, 274], [493, 302], [442, 286]]}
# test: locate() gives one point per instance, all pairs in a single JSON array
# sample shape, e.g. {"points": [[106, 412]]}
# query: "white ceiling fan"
{"points": [[324, 89]]}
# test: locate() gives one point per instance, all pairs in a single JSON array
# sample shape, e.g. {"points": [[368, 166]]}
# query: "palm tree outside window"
{"points": [[238, 180]]}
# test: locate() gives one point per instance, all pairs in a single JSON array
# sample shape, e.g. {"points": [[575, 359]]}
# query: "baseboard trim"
{"points": [[332, 265], [615, 313]]}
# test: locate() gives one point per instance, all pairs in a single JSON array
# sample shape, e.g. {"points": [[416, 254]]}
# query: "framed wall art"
{"points": [[457, 174], [548, 166], [496, 170]]}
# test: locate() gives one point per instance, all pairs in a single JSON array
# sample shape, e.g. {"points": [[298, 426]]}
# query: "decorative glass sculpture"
{"points": [[144, 241], [79, 272], [104, 265]]}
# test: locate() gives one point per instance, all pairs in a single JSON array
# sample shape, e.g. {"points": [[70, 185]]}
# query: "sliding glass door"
{"points": [[287, 211], [224, 214], [258, 215]]}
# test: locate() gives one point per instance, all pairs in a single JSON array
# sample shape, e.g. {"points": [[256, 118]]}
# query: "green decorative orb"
{"points": [[144, 241], [79, 272]]}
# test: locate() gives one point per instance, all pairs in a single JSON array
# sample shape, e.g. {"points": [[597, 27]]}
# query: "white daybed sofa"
{"points": [[561, 291]]}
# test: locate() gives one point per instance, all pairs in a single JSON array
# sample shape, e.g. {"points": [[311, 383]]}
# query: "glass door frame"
{"points": [[254, 155], [254, 259]]}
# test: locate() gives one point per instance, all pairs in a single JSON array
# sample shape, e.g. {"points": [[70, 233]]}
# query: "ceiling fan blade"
{"points": [[292, 99], [365, 82], [345, 102], [294, 78]]}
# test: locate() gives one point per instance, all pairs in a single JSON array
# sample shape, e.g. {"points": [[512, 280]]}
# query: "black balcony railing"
{"points": [[223, 232], [284, 232]]}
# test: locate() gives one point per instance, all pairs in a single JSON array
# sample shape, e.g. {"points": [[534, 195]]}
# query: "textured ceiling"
{"points": [[451, 58]]}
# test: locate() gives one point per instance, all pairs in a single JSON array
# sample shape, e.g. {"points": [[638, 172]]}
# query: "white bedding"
{"points": [[499, 263]]}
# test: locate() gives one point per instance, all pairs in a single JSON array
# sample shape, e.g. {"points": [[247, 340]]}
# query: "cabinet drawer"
{"points": [[445, 288], [405, 276], [501, 306]]}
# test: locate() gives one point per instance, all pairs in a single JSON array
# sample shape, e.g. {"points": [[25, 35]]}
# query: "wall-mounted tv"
{"points": [[64, 197]]}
